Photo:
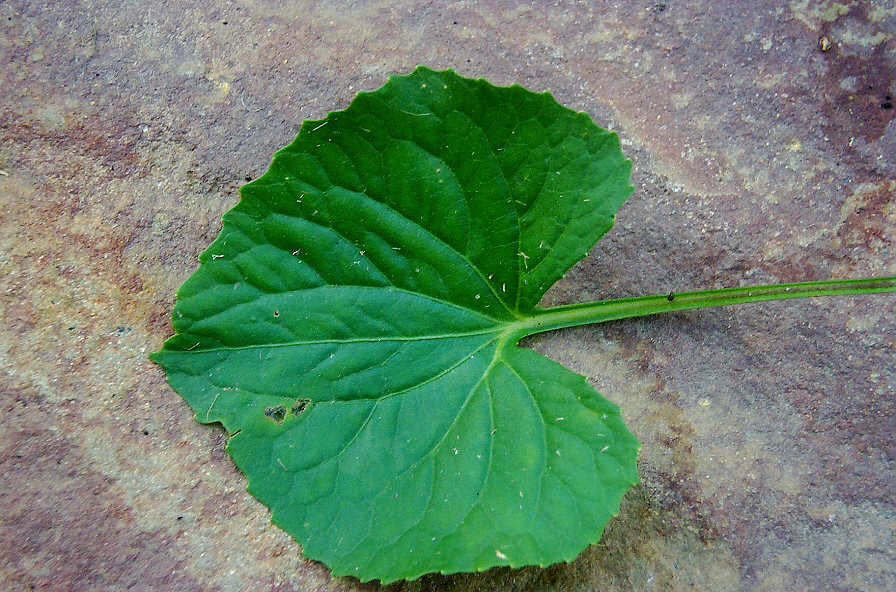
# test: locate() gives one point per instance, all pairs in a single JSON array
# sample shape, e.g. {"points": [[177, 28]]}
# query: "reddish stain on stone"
{"points": [[66, 527]]}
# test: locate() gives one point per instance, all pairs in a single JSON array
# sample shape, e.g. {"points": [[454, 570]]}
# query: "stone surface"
{"points": [[769, 455]]}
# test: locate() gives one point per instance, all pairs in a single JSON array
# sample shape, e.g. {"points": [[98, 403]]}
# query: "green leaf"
{"points": [[354, 326]]}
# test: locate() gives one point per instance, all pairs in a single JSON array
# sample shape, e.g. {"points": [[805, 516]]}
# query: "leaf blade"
{"points": [[354, 326]]}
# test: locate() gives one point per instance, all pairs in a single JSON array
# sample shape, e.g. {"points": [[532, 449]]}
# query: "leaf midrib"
{"points": [[498, 331], [499, 325]]}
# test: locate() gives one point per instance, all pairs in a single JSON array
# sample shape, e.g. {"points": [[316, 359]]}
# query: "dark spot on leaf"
{"points": [[275, 412], [300, 405]]}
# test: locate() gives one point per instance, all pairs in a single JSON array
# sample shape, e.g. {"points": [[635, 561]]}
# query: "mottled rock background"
{"points": [[769, 454]]}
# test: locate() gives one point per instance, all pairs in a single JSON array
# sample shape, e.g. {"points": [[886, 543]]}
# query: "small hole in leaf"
{"points": [[275, 412]]}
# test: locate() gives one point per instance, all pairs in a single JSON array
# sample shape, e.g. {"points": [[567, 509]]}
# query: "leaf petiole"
{"points": [[622, 308]]}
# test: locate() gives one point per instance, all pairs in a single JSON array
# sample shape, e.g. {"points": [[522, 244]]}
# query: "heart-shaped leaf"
{"points": [[354, 326]]}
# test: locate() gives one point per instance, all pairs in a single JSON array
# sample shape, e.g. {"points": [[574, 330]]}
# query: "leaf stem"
{"points": [[622, 308]]}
